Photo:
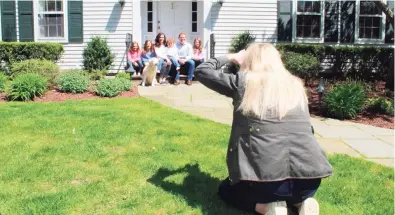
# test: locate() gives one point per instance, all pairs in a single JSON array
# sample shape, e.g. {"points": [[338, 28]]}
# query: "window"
{"points": [[332, 21], [194, 16], [370, 19], [308, 19], [149, 16], [51, 19]]}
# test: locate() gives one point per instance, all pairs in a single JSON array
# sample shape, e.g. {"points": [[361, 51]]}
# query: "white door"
{"points": [[171, 18], [174, 17]]}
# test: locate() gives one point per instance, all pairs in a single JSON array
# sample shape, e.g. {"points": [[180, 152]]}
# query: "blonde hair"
{"points": [[270, 89]]}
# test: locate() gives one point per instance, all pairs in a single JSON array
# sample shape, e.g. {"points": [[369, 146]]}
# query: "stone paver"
{"points": [[372, 148], [335, 146], [334, 136]]}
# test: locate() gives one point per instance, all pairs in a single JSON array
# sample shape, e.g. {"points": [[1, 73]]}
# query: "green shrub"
{"points": [[124, 83], [368, 63], [3, 81], [45, 68], [73, 81], [302, 65], [241, 41], [108, 87], [11, 52], [97, 55], [27, 86], [380, 105], [345, 100], [125, 75], [97, 74]]}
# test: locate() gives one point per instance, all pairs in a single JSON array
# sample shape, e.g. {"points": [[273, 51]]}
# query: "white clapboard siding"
{"points": [[104, 18], [234, 17]]}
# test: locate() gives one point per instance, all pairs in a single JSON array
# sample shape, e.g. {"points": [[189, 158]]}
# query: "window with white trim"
{"points": [[370, 20], [308, 19], [333, 21], [51, 19]]}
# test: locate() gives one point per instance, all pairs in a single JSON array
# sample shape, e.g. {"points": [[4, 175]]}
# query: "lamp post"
{"points": [[320, 89]]}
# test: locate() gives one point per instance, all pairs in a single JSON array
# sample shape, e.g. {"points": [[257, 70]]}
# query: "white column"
{"points": [[136, 20], [207, 27]]}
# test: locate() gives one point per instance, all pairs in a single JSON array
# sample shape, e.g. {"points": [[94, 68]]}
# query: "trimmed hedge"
{"points": [[357, 62], [18, 51]]}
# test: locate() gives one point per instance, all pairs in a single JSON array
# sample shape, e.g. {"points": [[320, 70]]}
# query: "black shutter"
{"points": [[331, 32], [347, 21], [389, 29], [8, 21], [284, 20], [26, 24], [75, 21]]}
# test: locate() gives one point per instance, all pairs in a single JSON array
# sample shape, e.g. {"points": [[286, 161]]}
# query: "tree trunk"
{"points": [[387, 11]]}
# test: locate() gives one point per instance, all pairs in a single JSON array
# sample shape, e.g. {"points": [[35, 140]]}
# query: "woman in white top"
{"points": [[161, 53]]}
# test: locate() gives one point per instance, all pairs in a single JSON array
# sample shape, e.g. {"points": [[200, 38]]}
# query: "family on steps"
{"points": [[173, 56]]}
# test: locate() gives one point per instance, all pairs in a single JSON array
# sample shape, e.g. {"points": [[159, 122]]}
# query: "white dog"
{"points": [[149, 72]]}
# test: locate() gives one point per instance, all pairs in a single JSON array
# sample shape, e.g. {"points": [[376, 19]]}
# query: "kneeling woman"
{"points": [[273, 157]]}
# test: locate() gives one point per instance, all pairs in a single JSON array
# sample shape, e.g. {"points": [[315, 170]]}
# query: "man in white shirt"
{"points": [[185, 54]]}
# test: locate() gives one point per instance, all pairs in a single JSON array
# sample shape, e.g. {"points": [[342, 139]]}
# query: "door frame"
{"points": [[205, 22]]}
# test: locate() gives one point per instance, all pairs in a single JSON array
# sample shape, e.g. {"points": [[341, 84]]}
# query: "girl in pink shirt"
{"points": [[198, 55], [134, 59]]}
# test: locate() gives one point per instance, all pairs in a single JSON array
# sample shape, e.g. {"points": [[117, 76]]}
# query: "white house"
{"points": [[74, 22]]}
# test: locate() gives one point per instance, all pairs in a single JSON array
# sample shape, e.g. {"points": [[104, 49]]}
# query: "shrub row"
{"points": [[11, 52], [357, 62]]}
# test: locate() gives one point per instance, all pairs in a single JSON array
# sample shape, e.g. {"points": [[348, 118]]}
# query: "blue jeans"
{"points": [[163, 68], [190, 66], [134, 68], [246, 194], [198, 62], [174, 61]]}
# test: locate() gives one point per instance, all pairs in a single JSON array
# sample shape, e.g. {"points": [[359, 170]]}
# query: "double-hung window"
{"points": [[370, 22], [332, 21], [51, 20], [308, 22]]}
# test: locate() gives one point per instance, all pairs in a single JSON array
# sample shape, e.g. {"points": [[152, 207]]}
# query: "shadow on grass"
{"points": [[198, 188]]}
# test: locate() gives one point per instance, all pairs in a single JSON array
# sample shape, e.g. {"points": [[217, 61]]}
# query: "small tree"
{"points": [[241, 41], [97, 55], [238, 43]]}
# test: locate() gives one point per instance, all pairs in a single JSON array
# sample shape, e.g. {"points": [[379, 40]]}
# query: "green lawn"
{"points": [[133, 156]]}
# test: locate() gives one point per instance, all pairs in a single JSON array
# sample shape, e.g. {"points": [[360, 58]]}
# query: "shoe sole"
{"points": [[277, 208], [309, 207]]}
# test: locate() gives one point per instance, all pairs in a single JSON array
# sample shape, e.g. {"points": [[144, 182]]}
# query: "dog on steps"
{"points": [[149, 73]]}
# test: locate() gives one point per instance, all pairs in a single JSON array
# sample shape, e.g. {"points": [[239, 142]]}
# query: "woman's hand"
{"points": [[238, 57]]}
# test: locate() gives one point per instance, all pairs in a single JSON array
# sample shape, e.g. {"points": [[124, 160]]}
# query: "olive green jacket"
{"points": [[269, 149]]}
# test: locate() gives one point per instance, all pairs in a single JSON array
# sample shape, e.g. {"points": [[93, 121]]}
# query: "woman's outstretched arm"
{"points": [[210, 75]]}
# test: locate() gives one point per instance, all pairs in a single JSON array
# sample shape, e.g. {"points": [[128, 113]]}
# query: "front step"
{"points": [[138, 77]]}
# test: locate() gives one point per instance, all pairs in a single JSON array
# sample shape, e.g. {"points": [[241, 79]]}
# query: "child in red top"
{"points": [[134, 59]]}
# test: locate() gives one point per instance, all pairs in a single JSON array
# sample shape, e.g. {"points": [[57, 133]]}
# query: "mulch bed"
{"points": [[54, 95], [367, 118], [379, 120]]}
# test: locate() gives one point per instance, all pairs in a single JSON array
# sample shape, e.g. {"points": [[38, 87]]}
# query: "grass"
{"points": [[133, 156]]}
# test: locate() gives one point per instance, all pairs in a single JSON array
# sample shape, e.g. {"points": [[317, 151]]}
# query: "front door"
{"points": [[171, 18]]}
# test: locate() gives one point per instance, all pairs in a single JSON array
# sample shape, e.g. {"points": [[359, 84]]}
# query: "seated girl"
{"points": [[148, 52], [172, 53], [198, 55], [134, 62]]}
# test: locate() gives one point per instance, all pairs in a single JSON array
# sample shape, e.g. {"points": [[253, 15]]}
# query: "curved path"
{"points": [[357, 140]]}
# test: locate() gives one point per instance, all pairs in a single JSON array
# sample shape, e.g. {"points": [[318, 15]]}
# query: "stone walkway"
{"points": [[358, 140]]}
